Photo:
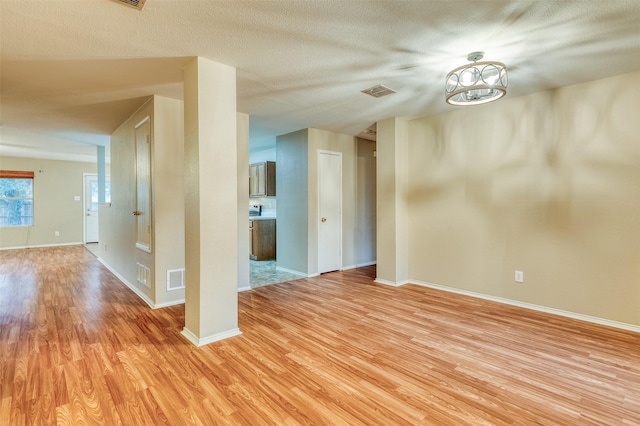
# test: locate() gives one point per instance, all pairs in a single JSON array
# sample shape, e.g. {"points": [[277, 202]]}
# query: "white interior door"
{"points": [[329, 211], [91, 208]]}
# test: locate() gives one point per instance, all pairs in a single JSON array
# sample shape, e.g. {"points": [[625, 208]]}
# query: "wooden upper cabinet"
{"points": [[262, 179]]}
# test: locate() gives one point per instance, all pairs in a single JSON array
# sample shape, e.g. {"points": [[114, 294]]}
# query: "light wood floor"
{"points": [[77, 347]]}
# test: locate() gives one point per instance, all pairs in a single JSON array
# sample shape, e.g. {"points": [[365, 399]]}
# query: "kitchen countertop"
{"points": [[261, 217]]}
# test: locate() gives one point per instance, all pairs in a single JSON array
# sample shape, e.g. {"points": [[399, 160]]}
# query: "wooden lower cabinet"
{"points": [[263, 239]]}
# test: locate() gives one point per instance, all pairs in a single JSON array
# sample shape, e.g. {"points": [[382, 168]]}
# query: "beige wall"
{"points": [[168, 195], [548, 184], [55, 185], [117, 223]]}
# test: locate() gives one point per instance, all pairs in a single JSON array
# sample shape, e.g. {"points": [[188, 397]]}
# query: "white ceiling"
{"points": [[73, 70]]}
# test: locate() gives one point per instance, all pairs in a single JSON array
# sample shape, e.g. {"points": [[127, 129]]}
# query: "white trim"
{"points": [[539, 308], [138, 292], [167, 304], [169, 271], [42, 245], [359, 265], [144, 120], [291, 271], [143, 247], [210, 339], [314, 275], [241, 289], [391, 283], [133, 288]]}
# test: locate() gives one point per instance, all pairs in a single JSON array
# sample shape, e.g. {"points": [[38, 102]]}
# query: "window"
{"points": [[93, 192], [16, 198]]}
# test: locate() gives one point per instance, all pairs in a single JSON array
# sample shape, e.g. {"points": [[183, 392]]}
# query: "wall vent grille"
{"points": [[144, 275], [137, 4], [175, 279]]}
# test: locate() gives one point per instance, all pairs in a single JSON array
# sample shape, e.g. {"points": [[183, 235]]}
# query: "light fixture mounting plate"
{"points": [[475, 56]]}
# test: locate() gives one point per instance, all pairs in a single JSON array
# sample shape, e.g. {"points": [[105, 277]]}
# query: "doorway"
{"points": [[329, 211], [90, 208]]}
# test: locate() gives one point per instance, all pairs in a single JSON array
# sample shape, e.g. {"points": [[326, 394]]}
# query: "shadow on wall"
{"points": [[532, 150], [546, 182]]}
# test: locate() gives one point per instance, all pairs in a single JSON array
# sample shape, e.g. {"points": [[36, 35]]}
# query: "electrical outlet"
{"points": [[57, 233], [519, 276]]}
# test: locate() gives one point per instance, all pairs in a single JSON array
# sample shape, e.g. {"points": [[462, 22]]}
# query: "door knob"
{"points": [[137, 213], [323, 220]]}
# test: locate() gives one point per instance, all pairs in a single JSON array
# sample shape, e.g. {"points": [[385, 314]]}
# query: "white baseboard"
{"points": [[133, 288], [291, 271], [358, 265], [138, 292], [201, 341], [41, 245], [167, 304], [241, 289], [391, 283], [539, 308]]}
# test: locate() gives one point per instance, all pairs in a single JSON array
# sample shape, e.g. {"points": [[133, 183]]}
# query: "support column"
{"points": [[392, 182], [211, 202]]}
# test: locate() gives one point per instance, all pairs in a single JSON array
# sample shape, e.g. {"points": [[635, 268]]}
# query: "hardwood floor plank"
{"points": [[63, 415], [78, 347], [152, 408]]}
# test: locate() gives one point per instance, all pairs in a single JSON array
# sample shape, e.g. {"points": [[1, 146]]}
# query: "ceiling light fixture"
{"points": [[476, 83]]}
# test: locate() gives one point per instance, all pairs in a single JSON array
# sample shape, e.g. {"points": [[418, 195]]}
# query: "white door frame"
{"points": [[339, 155]]}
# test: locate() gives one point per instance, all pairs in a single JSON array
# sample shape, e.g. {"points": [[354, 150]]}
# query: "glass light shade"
{"points": [[476, 83]]}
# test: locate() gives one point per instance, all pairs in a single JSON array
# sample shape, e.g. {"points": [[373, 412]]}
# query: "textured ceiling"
{"points": [[73, 70]]}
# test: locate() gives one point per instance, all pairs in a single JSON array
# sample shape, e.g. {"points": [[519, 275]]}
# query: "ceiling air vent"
{"points": [[138, 4], [378, 91]]}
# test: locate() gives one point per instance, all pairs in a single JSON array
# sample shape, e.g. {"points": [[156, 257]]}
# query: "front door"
{"points": [[329, 211], [91, 208]]}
